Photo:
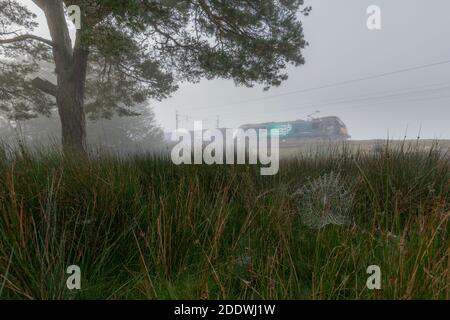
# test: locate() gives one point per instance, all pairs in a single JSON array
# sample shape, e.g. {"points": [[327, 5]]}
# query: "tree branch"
{"points": [[45, 86], [26, 37]]}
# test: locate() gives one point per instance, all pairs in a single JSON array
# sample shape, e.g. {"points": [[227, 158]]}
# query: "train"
{"points": [[291, 132]]}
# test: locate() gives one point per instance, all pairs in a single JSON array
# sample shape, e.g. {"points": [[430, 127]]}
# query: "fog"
{"points": [[342, 49]]}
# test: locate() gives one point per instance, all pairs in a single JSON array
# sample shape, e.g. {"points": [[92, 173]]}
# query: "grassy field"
{"points": [[364, 146], [142, 228]]}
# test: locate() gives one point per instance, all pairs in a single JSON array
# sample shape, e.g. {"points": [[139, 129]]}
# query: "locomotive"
{"points": [[291, 132]]}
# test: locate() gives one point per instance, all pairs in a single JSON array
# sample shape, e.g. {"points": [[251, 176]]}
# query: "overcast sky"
{"points": [[414, 33]]}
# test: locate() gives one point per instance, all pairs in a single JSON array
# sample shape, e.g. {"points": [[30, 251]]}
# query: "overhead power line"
{"points": [[385, 95], [331, 85], [376, 104]]}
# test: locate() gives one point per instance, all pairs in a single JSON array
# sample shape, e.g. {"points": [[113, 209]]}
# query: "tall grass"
{"points": [[143, 228]]}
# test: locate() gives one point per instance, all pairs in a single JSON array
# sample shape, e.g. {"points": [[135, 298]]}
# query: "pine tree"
{"points": [[129, 51]]}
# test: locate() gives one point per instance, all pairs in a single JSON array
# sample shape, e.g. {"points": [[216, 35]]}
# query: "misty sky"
{"points": [[414, 33]]}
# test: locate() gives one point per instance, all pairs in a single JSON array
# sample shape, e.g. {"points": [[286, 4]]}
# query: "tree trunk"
{"points": [[71, 66], [70, 101], [71, 114]]}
